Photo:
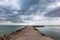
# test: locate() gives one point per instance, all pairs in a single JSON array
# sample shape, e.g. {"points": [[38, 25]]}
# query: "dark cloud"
{"points": [[13, 14], [45, 2], [53, 13]]}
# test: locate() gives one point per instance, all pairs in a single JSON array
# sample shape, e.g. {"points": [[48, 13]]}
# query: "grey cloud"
{"points": [[9, 14], [53, 13], [14, 15]]}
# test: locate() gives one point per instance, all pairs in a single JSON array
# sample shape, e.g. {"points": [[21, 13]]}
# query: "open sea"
{"points": [[52, 31]]}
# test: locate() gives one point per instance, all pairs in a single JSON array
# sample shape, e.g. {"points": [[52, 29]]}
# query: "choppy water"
{"points": [[52, 31]]}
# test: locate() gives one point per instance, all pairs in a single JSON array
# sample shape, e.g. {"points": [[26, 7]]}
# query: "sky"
{"points": [[30, 11]]}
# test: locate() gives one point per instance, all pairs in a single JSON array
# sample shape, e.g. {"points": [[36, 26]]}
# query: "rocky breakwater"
{"points": [[27, 33]]}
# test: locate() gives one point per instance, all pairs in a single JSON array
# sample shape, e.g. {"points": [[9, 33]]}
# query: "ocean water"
{"points": [[52, 31], [7, 29]]}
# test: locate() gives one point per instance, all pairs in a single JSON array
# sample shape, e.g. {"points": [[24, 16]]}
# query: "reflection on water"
{"points": [[52, 31]]}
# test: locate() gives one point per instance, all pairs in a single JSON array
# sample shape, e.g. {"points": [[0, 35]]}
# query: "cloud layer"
{"points": [[27, 11]]}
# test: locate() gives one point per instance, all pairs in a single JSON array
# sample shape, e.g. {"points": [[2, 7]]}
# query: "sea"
{"points": [[52, 31]]}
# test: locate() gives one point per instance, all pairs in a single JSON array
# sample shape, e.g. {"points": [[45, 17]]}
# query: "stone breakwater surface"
{"points": [[27, 33]]}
